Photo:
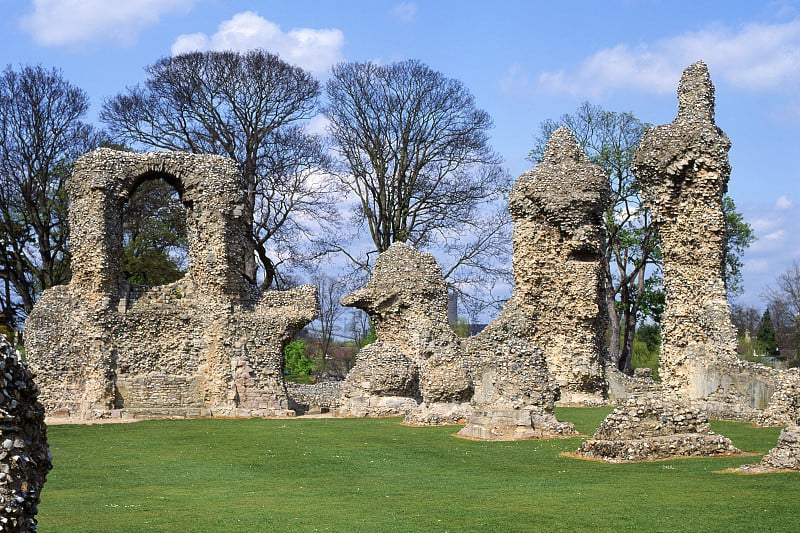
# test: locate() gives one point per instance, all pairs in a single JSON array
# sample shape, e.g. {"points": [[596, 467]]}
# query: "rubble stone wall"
{"points": [[683, 169], [559, 237], [208, 343], [25, 457]]}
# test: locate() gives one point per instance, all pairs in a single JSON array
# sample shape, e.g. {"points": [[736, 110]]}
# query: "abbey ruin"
{"points": [[210, 344], [207, 344]]}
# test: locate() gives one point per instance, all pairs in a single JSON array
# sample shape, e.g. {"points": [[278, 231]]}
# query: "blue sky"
{"points": [[524, 61]]}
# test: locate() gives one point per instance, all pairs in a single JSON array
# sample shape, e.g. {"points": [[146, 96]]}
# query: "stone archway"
{"points": [[207, 344]]}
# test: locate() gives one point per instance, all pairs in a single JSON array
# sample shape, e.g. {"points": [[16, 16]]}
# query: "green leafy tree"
{"points": [[765, 338], [154, 240], [296, 362], [740, 235]]}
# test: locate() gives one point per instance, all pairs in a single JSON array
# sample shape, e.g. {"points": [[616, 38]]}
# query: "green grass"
{"points": [[377, 475]]}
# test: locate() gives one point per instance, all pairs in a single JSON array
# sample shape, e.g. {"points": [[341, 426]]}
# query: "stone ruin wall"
{"points": [[645, 429], [547, 342], [206, 344], [559, 239], [416, 364], [25, 457], [683, 168]]}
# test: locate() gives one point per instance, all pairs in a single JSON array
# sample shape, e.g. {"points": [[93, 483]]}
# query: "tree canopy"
{"points": [[41, 134], [414, 152], [249, 107]]}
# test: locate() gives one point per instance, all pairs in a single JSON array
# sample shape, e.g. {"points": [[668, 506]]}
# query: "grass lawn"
{"points": [[377, 475]]}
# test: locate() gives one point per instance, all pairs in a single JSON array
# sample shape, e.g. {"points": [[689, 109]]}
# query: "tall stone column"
{"points": [[558, 263], [683, 169]]}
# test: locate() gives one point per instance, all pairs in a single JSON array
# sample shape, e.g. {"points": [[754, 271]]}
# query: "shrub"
{"points": [[296, 361]]}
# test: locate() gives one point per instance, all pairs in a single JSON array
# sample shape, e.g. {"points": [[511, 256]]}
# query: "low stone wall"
{"points": [[784, 456], [317, 398], [644, 429]]}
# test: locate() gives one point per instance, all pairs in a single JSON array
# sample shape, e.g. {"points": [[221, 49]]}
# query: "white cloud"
{"points": [[774, 236], [756, 266], [404, 12], [756, 57], [76, 22], [315, 50], [783, 203]]}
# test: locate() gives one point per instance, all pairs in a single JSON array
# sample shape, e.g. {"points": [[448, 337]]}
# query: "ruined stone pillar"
{"points": [[683, 170], [558, 263], [24, 452]]}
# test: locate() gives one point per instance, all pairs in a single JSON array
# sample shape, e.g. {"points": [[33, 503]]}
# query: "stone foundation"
{"points": [[643, 429]]}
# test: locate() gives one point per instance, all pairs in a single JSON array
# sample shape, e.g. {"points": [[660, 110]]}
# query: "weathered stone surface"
{"points": [[557, 210], [786, 455], [24, 453], [645, 429], [784, 404], [322, 397], [208, 343], [416, 360], [683, 169], [514, 393], [548, 340]]}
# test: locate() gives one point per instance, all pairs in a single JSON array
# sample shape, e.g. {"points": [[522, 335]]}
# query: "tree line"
{"points": [[406, 147]]}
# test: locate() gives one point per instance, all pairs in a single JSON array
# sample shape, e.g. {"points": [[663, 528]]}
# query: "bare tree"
{"points": [[416, 158], [41, 134], [783, 299], [246, 106]]}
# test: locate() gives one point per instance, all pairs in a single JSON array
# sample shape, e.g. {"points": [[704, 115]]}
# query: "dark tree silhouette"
{"points": [[249, 107]]}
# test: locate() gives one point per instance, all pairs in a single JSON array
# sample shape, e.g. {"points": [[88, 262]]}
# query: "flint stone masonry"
{"points": [[644, 429], [683, 169], [416, 362], [559, 238], [784, 404], [418, 367], [320, 397], [208, 344], [24, 453], [784, 456]]}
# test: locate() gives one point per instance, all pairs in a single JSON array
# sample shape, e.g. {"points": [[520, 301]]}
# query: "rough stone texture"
{"points": [[24, 453], [514, 392], [559, 235], [784, 456], [322, 397], [683, 169], [548, 340], [645, 429], [416, 362], [206, 344], [622, 387], [784, 404]]}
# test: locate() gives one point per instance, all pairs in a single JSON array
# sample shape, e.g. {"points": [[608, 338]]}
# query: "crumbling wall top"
{"points": [[565, 189]]}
